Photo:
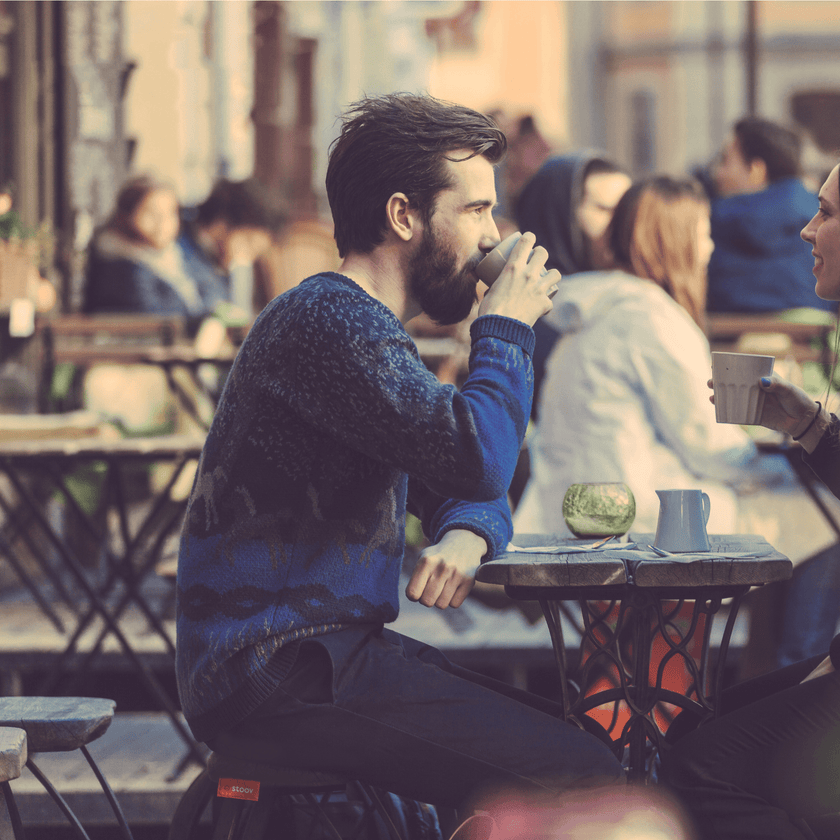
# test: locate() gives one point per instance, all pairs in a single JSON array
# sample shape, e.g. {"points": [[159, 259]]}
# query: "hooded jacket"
{"points": [[625, 399], [760, 263], [547, 206]]}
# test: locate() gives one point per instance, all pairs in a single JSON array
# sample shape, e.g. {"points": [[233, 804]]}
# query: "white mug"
{"points": [[683, 515]]}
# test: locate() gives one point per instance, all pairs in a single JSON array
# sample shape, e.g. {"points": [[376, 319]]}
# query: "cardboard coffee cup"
{"points": [[738, 396]]}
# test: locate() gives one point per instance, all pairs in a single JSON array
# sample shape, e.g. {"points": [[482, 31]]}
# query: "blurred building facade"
{"points": [[92, 90], [669, 78]]}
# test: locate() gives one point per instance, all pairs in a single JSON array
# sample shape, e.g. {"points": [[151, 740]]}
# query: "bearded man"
{"points": [[329, 428]]}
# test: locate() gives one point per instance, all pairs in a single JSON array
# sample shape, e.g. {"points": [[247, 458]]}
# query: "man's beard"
{"points": [[445, 294]]}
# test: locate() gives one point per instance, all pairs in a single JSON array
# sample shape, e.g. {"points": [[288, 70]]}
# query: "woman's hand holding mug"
{"points": [[789, 409]]}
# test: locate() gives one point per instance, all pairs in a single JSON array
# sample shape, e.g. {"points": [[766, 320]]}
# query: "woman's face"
{"points": [[705, 245], [601, 194], [822, 233], [156, 218]]}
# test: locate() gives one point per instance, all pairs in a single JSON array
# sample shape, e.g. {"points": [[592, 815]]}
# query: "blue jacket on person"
{"points": [[760, 263]]}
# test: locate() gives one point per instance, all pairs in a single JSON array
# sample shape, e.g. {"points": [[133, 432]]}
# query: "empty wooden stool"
{"points": [[12, 760], [61, 724]]}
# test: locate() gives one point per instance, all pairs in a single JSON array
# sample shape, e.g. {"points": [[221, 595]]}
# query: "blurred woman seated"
{"points": [[134, 264]]}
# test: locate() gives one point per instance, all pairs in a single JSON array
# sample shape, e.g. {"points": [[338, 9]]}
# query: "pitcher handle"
{"points": [[707, 507]]}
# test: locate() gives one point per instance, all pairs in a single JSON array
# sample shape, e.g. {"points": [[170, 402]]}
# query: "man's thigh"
{"points": [[377, 706]]}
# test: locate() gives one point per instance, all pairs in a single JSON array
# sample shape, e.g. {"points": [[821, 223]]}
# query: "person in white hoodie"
{"points": [[625, 396]]}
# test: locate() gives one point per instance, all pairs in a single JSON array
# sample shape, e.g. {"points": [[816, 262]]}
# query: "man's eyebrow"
{"points": [[483, 202]]}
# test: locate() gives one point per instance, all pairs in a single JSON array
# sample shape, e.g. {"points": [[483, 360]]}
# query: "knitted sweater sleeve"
{"points": [[359, 379], [490, 520]]}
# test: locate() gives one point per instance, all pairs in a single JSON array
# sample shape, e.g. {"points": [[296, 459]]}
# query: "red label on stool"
{"points": [[239, 789]]}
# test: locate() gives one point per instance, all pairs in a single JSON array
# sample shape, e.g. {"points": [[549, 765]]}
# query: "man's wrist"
{"points": [[504, 328]]}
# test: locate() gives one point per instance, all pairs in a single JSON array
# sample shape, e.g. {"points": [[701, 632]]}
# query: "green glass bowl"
{"points": [[599, 509]]}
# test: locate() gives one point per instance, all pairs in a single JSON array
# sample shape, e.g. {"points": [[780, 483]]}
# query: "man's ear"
{"points": [[403, 219], [758, 173]]}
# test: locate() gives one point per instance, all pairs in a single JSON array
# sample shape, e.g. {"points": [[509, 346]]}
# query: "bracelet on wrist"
{"points": [[813, 420]]}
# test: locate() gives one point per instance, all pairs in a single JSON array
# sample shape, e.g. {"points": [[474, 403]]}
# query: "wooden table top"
{"points": [[158, 447], [127, 354], [624, 566]]}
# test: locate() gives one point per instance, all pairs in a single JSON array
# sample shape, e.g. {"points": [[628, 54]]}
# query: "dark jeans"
{"points": [[772, 758], [812, 607], [383, 708]]}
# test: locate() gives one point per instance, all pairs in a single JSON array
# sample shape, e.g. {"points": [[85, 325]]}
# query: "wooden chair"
{"points": [[60, 335]]}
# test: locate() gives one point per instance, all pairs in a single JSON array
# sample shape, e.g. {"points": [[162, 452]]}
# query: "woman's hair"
{"points": [[654, 236], [129, 197], [398, 143]]}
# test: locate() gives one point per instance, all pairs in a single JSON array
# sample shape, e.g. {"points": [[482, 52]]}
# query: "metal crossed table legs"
{"points": [[618, 631], [125, 566], [638, 619]]}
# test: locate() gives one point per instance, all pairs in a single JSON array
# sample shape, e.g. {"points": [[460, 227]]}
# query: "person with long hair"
{"points": [[134, 264], [769, 766], [621, 400]]}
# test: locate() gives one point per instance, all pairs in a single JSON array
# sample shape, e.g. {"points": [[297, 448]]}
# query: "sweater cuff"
{"points": [[506, 329], [828, 442]]}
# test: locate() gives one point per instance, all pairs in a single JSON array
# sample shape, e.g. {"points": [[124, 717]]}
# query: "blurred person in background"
{"points": [[568, 204], [621, 400], [233, 227], [133, 262], [760, 264]]}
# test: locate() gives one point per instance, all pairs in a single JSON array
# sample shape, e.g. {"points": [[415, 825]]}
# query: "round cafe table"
{"points": [[632, 602]]}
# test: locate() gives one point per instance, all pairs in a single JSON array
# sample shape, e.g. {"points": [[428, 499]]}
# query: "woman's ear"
{"points": [[403, 219]]}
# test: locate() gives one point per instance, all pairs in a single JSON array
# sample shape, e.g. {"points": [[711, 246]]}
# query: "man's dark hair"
{"points": [[242, 204], [398, 143], [779, 147]]}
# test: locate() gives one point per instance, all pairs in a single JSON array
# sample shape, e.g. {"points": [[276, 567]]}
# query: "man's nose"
{"points": [[491, 237]]}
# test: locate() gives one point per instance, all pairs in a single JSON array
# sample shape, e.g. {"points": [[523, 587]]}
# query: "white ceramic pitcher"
{"points": [[683, 515]]}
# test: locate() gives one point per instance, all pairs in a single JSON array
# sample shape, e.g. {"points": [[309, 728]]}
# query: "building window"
{"points": [[819, 113], [643, 136]]}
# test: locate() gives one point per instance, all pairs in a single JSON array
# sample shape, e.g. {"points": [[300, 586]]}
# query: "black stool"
{"points": [[251, 801]]}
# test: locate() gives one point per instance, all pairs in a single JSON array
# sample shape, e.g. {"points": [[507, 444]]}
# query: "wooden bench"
{"points": [[805, 335]]}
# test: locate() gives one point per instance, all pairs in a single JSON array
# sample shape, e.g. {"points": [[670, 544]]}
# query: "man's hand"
{"points": [[444, 574], [521, 290]]}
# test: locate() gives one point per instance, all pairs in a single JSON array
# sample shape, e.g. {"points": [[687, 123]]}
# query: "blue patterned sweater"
{"points": [[329, 428]]}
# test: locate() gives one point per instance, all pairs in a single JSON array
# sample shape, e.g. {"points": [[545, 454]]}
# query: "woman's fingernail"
{"points": [[766, 382]]}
